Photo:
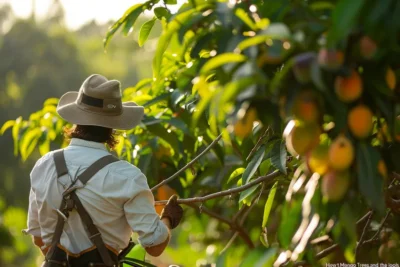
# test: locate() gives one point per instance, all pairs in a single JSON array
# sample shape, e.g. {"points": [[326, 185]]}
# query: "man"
{"points": [[85, 203]]}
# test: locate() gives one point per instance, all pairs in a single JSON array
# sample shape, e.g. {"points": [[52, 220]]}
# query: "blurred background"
{"points": [[48, 47]]}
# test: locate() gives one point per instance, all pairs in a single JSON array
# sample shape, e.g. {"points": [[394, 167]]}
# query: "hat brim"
{"points": [[68, 109]]}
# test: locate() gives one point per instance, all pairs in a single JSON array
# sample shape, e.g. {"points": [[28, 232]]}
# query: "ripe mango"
{"points": [[334, 185], [164, 192], [390, 78], [330, 59], [349, 88], [360, 121], [305, 107], [302, 139], [244, 126], [368, 47], [318, 159], [341, 153]]}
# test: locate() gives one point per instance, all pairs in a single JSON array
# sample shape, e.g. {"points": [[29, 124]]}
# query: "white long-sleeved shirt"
{"points": [[117, 198]]}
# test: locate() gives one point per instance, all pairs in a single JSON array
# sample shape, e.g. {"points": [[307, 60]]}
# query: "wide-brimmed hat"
{"points": [[99, 103]]}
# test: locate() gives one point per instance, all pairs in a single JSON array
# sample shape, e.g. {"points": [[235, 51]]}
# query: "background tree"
{"points": [[276, 121]]}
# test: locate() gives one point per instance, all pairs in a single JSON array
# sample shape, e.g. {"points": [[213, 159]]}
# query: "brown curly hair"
{"points": [[92, 133]]}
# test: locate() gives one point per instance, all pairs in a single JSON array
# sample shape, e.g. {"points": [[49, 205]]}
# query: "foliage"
{"points": [[255, 71]]}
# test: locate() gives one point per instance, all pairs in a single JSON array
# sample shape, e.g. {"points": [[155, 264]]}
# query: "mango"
{"points": [[390, 78], [302, 139], [334, 185], [360, 121], [330, 59], [305, 107], [368, 47], [318, 159], [349, 88], [341, 153], [244, 126]]}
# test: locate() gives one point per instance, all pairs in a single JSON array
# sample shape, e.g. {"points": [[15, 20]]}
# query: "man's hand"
{"points": [[173, 212]]}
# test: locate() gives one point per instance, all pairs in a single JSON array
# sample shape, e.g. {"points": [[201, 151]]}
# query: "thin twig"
{"points": [[189, 164], [266, 178], [376, 235], [361, 241], [320, 255], [257, 145], [230, 242]]}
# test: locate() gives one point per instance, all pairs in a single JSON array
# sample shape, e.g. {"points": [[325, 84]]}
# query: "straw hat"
{"points": [[98, 103]]}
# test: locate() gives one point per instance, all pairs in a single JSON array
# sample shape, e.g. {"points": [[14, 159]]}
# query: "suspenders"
{"points": [[71, 201]]}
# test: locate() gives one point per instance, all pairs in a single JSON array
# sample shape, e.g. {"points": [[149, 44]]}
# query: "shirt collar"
{"points": [[81, 142]]}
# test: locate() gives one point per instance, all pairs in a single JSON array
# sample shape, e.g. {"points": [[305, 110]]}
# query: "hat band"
{"points": [[112, 106], [92, 101]]}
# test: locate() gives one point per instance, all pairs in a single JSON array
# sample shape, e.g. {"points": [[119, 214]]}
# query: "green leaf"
{"points": [[136, 10], [248, 192], [291, 215], [241, 14], [253, 165], [44, 147], [162, 12], [369, 182], [166, 37], [268, 204], [236, 173], [265, 166], [279, 156], [137, 252], [51, 101], [15, 134], [29, 142], [268, 258], [221, 260], [343, 19], [221, 60], [6, 125], [233, 88], [169, 137], [145, 31], [157, 99], [170, 2]]}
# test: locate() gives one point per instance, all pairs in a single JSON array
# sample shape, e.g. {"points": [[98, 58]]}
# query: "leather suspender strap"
{"points": [[94, 233]]}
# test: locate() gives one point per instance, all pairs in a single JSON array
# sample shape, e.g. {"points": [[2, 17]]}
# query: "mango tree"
{"points": [[277, 122]]}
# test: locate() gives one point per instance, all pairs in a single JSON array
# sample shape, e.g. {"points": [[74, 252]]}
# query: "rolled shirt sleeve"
{"points": [[33, 216], [142, 216]]}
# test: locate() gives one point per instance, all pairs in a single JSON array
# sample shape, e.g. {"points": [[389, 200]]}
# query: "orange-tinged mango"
{"points": [[159, 208], [318, 159], [164, 192], [341, 153], [302, 139], [334, 185], [305, 107], [244, 126], [368, 47], [360, 121], [330, 59], [390, 78], [349, 88]]}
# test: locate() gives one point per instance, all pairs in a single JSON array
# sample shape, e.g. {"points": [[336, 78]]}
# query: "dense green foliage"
{"points": [[220, 68]]}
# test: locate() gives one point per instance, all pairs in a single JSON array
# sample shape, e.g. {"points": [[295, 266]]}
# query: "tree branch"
{"points": [[361, 241], [266, 178], [189, 164], [376, 235]]}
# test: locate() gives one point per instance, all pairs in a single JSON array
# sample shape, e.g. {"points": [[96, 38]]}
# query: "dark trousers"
{"points": [[90, 258]]}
